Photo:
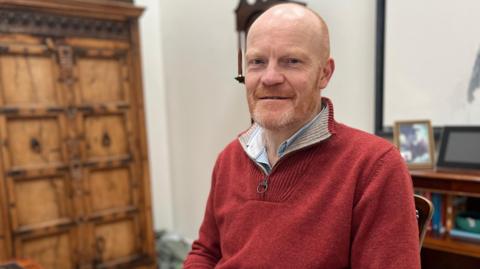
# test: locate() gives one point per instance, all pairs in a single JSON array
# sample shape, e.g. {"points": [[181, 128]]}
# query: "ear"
{"points": [[326, 73]]}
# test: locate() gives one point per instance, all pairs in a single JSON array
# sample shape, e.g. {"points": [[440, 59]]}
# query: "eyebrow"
{"points": [[253, 53], [286, 53], [298, 54]]}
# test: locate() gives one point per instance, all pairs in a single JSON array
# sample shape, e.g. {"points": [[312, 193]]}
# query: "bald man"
{"points": [[298, 189]]}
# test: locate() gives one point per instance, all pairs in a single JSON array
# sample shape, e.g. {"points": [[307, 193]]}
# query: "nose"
{"points": [[272, 76]]}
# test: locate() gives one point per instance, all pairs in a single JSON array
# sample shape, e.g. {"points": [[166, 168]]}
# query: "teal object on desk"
{"points": [[468, 221]]}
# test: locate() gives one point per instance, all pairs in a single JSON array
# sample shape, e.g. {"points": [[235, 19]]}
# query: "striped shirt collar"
{"points": [[315, 131]]}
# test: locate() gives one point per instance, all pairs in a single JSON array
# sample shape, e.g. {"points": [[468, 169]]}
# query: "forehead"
{"points": [[283, 36], [286, 25]]}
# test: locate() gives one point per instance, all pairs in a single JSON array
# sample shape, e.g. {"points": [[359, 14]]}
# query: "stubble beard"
{"points": [[287, 119], [270, 121]]}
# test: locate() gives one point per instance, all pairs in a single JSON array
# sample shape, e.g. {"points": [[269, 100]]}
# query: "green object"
{"points": [[172, 249], [468, 221]]}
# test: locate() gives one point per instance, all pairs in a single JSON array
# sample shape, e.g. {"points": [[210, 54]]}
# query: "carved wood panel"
{"points": [[117, 241], [28, 79], [105, 136], [52, 251], [34, 142], [114, 183], [100, 80], [53, 192]]}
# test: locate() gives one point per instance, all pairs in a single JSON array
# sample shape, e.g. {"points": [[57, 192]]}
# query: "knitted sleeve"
{"points": [[205, 251], [384, 225]]}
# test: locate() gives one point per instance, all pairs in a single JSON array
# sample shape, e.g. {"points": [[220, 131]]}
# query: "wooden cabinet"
{"points": [[442, 250], [74, 182]]}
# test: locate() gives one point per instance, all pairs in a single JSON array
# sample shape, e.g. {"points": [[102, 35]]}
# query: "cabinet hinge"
{"points": [[9, 110], [17, 173], [4, 49]]}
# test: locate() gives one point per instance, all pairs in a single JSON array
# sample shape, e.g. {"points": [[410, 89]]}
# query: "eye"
{"points": [[256, 61], [293, 61]]}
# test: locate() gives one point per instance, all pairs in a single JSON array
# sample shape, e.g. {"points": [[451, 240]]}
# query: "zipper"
{"points": [[262, 186]]}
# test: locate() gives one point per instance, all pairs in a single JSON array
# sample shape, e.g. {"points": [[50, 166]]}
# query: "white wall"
{"points": [[352, 30], [156, 113], [206, 107]]}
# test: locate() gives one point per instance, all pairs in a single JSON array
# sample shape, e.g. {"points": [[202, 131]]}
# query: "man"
{"points": [[298, 189]]}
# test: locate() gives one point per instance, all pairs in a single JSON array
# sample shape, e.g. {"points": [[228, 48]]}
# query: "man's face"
{"points": [[284, 74]]}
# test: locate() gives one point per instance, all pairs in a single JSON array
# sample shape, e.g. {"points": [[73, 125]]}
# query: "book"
{"points": [[457, 233], [437, 202]]}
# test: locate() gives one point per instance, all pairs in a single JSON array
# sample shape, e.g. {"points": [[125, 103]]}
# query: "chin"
{"points": [[274, 121]]}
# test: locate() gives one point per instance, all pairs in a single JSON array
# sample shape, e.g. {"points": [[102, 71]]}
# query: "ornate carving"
{"points": [[65, 59], [29, 22]]}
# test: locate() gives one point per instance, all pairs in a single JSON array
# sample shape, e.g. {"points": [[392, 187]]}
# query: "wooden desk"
{"points": [[442, 251], [453, 183]]}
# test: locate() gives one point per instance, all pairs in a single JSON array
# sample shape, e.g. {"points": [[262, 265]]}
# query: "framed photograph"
{"points": [[414, 139], [427, 63], [459, 148]]}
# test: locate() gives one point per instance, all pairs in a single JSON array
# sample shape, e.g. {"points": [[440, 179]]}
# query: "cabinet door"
{"points": [[34, 157], [112, 188], [114, 212]]}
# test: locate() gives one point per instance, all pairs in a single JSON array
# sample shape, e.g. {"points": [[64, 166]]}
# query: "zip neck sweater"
{"points": [[336, 201]]}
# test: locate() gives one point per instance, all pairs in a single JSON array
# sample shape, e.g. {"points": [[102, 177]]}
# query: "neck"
{"points": [[274, 138]]}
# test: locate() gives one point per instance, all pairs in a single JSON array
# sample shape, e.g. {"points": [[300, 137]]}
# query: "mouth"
{"points": [[274, 98]]}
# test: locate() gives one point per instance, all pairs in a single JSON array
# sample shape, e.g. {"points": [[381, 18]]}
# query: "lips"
{"points": [[273, 98]]}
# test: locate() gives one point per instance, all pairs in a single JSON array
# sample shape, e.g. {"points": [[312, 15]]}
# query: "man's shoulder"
{"points": [[361, 139], [232, 149], [232, 156], [366, 150]]}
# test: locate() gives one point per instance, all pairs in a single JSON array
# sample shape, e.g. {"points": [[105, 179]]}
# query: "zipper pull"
{"points": [[262, 186]]}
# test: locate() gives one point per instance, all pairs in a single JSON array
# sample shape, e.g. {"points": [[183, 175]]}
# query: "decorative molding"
{"points": [[126, 1], [98, 9], [36, 23]]}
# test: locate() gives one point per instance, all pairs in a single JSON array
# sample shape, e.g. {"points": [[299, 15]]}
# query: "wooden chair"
{"points": [[424, 210]]}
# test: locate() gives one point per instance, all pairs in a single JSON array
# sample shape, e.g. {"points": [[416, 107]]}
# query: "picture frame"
{"points": [[459, 149], [414, 140]]}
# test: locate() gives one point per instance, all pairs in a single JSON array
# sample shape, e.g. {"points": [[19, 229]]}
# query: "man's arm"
{"points": [[205, 251], [384, 225]]}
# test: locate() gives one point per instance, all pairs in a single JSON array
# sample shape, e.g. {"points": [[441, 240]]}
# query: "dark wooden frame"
{"points": [[379, 70]]}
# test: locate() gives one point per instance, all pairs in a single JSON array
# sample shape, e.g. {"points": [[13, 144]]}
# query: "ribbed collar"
{"points": [[319, 129]]}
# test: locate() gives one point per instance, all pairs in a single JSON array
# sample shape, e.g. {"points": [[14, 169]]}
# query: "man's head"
{"points": [[288, 64]]}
